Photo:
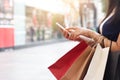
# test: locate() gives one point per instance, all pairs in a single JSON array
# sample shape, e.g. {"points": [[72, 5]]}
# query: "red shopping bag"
{"points": [[60, 67]]}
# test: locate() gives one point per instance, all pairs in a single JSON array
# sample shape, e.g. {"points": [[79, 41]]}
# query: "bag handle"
{"points": [[110, 46], [103, 42]]}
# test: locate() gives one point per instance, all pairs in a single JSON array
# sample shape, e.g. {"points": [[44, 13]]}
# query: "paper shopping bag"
{"points": [[60, 67], [79, 67], [98, 63]]}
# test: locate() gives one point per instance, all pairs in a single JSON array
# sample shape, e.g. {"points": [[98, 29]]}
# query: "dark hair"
{"points": [[114, 4]]}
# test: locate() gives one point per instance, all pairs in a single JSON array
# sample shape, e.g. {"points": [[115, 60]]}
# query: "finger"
{"points": [[71, 37], [69, 29], [66, 35], [78, 39]]}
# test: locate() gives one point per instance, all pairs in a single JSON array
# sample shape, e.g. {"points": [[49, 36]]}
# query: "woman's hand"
{"points": [[68, 34], [78, 34], [73, 33]]}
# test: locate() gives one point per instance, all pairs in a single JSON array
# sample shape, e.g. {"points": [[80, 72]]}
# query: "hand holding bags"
{"points": [[60, 67], [98, 63]]}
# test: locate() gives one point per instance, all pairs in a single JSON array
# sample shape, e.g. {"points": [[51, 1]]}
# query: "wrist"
{"points": [[87, 33], [91, 34], [96, 36]]}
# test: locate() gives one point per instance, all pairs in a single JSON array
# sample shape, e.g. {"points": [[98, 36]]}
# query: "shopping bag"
{"points": [[98, 63], [79, 67], [112, 71], [60, 67]]}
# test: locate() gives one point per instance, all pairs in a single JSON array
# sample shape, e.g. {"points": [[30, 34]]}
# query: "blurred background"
{"points": [[29, 21], [32, 24]]}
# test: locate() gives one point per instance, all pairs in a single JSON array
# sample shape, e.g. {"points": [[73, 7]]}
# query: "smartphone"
{"points": [[60, 26]]}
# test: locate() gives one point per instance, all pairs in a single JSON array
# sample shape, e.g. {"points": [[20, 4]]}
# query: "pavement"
{"points": [[32, 63]]}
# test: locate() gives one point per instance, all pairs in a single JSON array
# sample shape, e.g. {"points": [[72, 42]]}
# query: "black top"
{"points": [[111, 30]]}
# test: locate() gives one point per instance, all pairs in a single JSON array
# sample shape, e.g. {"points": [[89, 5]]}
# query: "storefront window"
{"points": [[88, 21], [41, 25], [6, 12]]}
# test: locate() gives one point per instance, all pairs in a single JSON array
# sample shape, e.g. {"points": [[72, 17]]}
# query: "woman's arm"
{"points": [[98, 38], [115, 45]]}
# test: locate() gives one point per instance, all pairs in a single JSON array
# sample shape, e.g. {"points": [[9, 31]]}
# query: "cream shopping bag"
{"points": [[98, 63]]}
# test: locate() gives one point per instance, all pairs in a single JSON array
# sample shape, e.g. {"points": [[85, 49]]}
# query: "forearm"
{"points": [[98, 38]]}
